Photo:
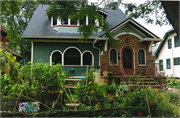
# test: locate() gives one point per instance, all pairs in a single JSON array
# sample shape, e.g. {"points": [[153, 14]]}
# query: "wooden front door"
{"points": [[127, 60]]}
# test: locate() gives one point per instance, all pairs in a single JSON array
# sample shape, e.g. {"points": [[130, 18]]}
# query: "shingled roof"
{"points": [[40, 24]]}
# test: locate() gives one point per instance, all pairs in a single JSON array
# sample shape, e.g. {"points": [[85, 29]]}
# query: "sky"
{"points": [[156, 29]]}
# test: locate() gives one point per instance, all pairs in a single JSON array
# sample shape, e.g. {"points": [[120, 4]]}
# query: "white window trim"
{"points": [[116, 56], [144, 57], [64, 53], [92, 57], [52, 54]]}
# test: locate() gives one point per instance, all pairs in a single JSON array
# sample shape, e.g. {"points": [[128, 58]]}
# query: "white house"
{"points": [[168, 54]]}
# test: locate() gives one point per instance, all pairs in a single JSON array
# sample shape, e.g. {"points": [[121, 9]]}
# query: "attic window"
{"points": [[73, 22], [83, 21], [64, 21]]}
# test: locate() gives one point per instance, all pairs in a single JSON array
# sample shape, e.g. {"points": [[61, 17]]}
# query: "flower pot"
{"points": [[139, 113]]}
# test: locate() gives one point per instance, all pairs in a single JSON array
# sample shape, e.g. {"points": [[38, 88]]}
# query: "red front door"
{"points": [[127, 60]]}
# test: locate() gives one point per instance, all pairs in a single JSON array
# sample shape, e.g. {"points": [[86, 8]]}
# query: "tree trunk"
{"points": [[172, 11]]}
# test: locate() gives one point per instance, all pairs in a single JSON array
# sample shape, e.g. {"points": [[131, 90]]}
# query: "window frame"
{"points": [[160, 65], [174, 61], [144, 57], [52, 54], [169, 40], [116, 56], [176, 38], [169, 63], [91, 55]]}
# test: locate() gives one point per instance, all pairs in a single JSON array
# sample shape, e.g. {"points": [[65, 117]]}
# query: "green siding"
{"points": [[42, 50], [130, 29]]}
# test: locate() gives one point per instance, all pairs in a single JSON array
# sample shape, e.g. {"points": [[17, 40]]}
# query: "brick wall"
{"points": [[136, 45]]}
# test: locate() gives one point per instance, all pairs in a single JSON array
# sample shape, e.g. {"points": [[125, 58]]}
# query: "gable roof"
{"points": [[40, 24], [162, 42]]}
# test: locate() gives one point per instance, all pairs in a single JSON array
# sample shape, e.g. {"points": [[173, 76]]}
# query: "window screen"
{"points": [[56, 58], [113, 56], [87, 58], [72, 57], [141, 56]]}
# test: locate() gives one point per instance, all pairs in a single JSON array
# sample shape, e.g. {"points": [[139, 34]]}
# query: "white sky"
{"points": [[156, 29]]}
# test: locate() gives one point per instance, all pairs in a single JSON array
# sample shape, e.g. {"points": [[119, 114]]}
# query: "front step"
{"points": [[143, 80]]}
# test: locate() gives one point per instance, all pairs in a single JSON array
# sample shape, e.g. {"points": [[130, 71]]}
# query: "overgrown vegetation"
{"points": [[173, 82]]}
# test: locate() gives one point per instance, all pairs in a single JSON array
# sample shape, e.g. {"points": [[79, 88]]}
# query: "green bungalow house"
{"points": [[55, 40]]}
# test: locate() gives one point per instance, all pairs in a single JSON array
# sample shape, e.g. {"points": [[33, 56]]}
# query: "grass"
{"points": [[175, 83]]}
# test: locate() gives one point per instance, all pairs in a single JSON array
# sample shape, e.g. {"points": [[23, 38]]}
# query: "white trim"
{"points": [[99, 53], [32, 46], [64, 53], [92, 57], [133, 55], [51, 21], [144, 57], [69, 21], [119, 26], [150, 39], [129, 33], [106, 46], [143, 29], [87, 20], [52, 54], [116, 56], [58, 21], [135, 24]]}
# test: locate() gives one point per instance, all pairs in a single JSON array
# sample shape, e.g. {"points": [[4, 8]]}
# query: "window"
{"points": [[91, 21], [72, 57], [83, 21], [141, 56], [168, 63], [169, 43], [161, 65], [113, 56], [56, 57], [177, 61], [73, 22], [64, 21], [176, 41], [54, 21], [87, 58]]}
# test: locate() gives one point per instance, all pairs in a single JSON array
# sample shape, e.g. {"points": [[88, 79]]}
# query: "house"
{"points": [[56, 41], [168, 55]]}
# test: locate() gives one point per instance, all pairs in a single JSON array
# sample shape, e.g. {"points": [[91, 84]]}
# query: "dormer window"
{"points": [[73, 22], [64, 21], [54, 21], [83, 21]]}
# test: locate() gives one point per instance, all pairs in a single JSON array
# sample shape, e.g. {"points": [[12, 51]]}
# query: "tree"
{"points": [[164, 12], [16, 15]]}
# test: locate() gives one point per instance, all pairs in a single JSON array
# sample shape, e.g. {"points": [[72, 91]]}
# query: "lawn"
{"points": [[175, 83]]}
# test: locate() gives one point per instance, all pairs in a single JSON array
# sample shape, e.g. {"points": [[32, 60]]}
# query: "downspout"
{"points": [[98, 49], [172, 55]]}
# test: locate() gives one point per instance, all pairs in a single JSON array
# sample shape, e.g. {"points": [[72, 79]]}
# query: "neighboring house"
{"points": [[3, 45], [57, 41], [168, 55]]}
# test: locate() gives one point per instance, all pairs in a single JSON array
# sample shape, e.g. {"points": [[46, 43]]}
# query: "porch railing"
{"points": [[152, 70], [123, 73]]}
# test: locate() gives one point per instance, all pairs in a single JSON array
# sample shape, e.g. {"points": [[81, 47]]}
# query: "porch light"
{"points": [[72, 70], [127, 40]]}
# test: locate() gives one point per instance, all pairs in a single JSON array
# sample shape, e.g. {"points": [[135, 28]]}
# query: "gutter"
{"points": [[57, 37]]}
